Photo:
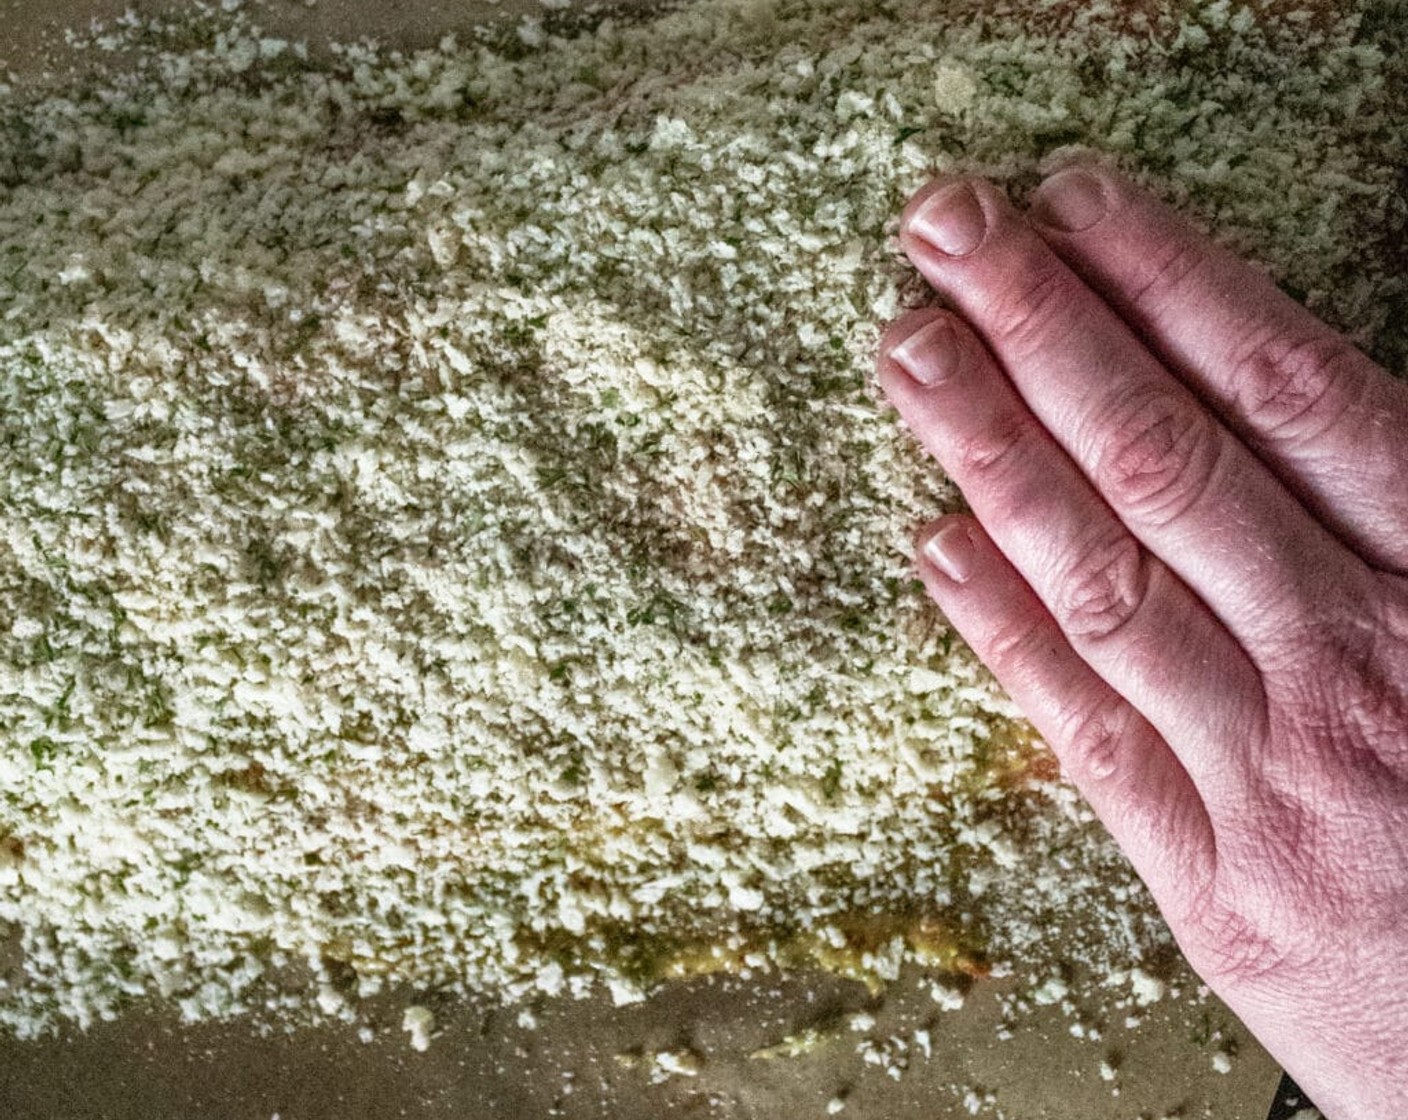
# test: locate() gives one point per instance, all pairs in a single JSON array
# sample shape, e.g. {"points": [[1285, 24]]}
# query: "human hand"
{"points": [[1191, 573]]}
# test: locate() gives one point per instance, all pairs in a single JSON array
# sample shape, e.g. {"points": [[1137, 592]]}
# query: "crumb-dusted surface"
{"points": [[456, 538], [589, 1060]]}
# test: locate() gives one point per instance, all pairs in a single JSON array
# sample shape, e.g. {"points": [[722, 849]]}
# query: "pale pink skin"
{"points": [[1189, 567]]}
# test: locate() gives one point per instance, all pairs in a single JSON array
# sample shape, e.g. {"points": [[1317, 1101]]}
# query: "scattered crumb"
{"points": [[1147, 989], [665, 1064], [948, 998], [419, 1023]]}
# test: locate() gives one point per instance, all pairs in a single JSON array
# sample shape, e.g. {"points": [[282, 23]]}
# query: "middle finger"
{"points": [[1181, 482]]}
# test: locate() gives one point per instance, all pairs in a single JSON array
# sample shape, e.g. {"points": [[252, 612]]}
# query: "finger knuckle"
{"points": [[1033, 312], [1171, 266], [1014, 646], [1092, 742], [1293, 389], [1232, 949], [1157, 457], [1365, 694], [1104, 589], [1390, 614], [990, 450], [1340, 670]]}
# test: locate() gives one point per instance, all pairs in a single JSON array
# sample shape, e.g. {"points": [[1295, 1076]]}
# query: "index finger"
{"points": [[1331, 423]]}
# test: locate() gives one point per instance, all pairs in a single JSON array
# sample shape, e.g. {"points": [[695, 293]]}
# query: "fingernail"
{"points": [[1071, 200], [951, 551], [930, 354], [951, 220]]}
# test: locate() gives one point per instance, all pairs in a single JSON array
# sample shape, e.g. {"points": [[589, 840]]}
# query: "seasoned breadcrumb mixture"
{"points": [[449, 531]]}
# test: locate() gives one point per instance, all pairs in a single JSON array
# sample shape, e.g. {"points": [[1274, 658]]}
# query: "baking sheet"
{"points": [[588, 1058]]}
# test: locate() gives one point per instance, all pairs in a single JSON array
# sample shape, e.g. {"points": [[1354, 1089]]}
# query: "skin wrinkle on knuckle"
{"points": [[1016, 647], [1327, 830], [1284, 813], [1349, 642], [1292, 391], [1233, 949], [988, 452], [1269, 865], [1173, 263], [1028, 317], [1092, 742], [1285, 850], [1103, 589], [1367, 700], [1158, 457]]}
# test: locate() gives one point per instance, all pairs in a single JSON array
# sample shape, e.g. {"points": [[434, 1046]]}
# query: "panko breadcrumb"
{"points": [[450, 533]]}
